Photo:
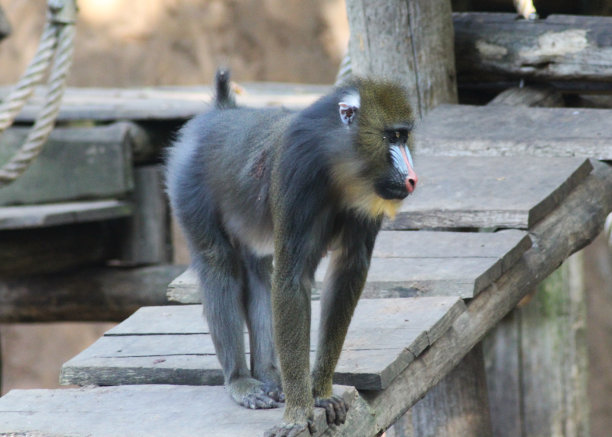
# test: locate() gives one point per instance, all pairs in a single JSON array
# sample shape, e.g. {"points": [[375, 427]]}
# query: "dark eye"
{"points": [[397, 136]]}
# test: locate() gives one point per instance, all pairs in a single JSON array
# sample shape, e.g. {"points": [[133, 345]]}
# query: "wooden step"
{"points": [[172, 345], [417, 263], [140, 410]]}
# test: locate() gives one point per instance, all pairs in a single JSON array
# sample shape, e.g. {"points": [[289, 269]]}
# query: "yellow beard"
{"points": [[359, 194]]}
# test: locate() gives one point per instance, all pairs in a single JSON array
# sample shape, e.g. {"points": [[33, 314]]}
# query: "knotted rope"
{"points": [[55, 49]]}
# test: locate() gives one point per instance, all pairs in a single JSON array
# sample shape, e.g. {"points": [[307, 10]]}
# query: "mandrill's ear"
{"points": [[348, 108]]}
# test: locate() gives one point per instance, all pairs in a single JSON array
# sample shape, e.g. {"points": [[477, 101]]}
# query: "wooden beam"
{"points": [[570, 227], [76, 163], [95, 294], [163, 103], [495, 46]]}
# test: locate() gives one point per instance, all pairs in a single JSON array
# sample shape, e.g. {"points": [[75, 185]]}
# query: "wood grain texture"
{"points": [[147, 410], [172, 345], [458, 405], [488, 191], [407, 41], [36, 216], [560, 48], [76, 163], [423, 263], [502, 130]]}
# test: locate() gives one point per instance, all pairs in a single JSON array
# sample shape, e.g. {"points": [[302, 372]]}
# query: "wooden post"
{"points": [[407, 41], [147, 239], [545, 387], [454, 407]]}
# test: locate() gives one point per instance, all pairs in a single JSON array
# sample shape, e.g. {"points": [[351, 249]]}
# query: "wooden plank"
{"points": [[408, 264], [75, 164], [151, 410], [85, 294], [172, 345], [559, 48], [23, 217], [462, 130], [164, 103], [488, 191], [573, 225]]}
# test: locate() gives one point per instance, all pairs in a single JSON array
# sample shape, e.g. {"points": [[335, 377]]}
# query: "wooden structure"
{"points": [[396, 351], [488, 229]]}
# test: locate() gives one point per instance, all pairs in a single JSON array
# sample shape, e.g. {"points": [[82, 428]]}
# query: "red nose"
{"points": [[411, 180]]}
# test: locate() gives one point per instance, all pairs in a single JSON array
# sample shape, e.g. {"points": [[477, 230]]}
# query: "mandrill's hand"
{"points": [[335, 409]]}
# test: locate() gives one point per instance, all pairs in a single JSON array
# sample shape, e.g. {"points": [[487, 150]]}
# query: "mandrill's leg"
{"points": [[259, 320], [222, 277], [343, 284]]}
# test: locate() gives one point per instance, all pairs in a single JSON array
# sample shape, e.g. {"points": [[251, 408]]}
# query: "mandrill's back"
{"points": [[222, 162]]}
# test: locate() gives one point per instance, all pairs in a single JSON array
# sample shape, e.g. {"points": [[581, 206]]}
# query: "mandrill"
{"points": [[248, 185]]}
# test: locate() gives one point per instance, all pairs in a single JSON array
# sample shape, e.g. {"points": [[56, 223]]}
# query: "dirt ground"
{"points": [[181, 42]]}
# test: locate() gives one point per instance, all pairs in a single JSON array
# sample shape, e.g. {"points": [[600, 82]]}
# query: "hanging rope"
{"points": [[55, 49]]}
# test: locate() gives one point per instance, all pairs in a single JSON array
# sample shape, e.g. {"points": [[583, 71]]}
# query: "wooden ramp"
{"points": [[419, 317]]}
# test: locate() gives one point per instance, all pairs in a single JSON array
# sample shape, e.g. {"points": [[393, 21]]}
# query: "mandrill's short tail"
{"points": [[224, 96]]}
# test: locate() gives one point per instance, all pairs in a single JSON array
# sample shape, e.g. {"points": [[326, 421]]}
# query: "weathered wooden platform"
{"points": [[172, 345], [138, 410]]}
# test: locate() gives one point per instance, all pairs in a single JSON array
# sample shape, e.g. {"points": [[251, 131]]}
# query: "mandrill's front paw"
{"points": [[335, 409], [291, 430]]}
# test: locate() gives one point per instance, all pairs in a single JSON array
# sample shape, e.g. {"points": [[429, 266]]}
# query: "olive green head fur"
{"points": [[382, 105]]}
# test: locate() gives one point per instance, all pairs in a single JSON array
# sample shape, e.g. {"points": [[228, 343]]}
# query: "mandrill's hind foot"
{"points": [[254, 394], [335, 409], [291, 430]]}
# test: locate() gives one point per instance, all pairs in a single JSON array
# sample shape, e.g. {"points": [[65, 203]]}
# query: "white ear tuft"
{"points": [[348, 107]]}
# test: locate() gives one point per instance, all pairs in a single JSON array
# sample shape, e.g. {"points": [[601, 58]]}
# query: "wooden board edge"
{"points": [[539, 211]]}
